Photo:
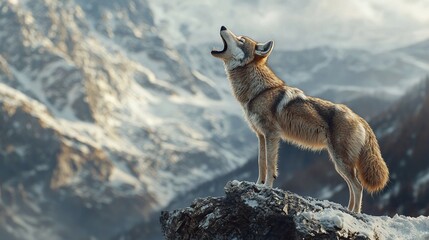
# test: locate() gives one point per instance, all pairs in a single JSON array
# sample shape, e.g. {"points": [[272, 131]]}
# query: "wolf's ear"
{"points": [[264, 49]]}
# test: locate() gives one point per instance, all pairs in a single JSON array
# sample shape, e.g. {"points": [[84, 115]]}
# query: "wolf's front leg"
{"points": [[262, 160], [272, 148]]}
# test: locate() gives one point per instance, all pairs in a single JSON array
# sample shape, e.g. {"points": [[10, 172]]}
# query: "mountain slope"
{"points": [[404, 142], [342, 75], [105, 143]]}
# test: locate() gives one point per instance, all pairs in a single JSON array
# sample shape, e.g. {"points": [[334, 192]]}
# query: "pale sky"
{"points": [[370, 24]]}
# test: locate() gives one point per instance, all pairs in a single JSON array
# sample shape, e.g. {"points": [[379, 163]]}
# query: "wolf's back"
{"points": [[372, 170]]}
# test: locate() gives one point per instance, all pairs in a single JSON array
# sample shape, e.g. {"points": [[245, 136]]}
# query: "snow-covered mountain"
{"points": [[101, 119], [343, 75], [106, 116]]}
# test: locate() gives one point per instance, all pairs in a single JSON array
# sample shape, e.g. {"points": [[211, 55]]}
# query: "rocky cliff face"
{"points": [[249, 211]]}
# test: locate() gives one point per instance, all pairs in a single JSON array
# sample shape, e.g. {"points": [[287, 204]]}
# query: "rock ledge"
{"points": [[250, 211]]}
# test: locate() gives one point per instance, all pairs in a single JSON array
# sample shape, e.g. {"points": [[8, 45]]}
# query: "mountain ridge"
{"points": [[102, 79]]}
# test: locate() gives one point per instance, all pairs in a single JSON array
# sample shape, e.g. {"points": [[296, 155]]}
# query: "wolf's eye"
{"points": [[242, 40]]}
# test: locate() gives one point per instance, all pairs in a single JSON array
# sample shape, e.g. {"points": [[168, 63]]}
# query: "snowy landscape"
{"points": [[112, 111]]}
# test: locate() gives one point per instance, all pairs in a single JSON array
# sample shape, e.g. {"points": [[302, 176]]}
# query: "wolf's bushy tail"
{"points": [[371, 168]]}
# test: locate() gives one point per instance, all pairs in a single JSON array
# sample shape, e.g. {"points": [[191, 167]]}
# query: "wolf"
{"points": [[276, 111]]}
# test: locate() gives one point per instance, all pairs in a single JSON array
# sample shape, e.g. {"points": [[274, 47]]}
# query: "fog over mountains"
{"points": [[295, 25], [109, 112]]}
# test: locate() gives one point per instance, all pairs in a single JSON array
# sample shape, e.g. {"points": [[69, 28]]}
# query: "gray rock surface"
{"points": [[250, 211]]}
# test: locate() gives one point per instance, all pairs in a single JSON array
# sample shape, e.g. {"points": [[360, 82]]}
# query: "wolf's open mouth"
{"points": [[225, 46]]}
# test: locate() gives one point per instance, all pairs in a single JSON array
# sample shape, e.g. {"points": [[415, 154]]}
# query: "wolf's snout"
{"points": [[223, 28]]}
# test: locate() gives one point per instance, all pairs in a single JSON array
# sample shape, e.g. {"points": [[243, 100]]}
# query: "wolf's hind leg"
{"points": [[358, 189], [351, 189], [272, 148], [348, 174], [262, 160], [345, 167]]}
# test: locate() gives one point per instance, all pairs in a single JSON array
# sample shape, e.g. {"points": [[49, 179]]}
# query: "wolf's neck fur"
{"points": [[250, 80]]}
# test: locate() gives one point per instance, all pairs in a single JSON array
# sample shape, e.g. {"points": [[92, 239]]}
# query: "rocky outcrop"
{"points": [[250, 211]]}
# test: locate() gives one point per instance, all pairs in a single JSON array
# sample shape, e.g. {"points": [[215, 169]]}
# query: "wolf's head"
{"points": [[239, 51]]}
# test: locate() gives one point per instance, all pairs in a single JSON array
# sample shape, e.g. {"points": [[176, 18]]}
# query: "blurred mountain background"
{"points": [[111, 111]]}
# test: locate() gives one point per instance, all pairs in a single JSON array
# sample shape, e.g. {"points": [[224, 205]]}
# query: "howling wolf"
{"points": [[277, 111]]}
